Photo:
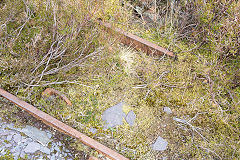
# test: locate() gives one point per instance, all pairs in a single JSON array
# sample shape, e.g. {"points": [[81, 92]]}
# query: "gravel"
{"points": [[31, 142]]}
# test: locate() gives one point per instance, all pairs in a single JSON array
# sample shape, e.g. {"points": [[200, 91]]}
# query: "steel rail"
{"points": [[137, 42], [60, 126]]}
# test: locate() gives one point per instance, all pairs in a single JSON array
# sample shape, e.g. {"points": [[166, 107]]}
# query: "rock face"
{"points": [[113, 116], [130, 118], [160, 144]]}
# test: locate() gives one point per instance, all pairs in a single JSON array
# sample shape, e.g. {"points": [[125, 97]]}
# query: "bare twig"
{"points": [[56, 83], [210, 151]]}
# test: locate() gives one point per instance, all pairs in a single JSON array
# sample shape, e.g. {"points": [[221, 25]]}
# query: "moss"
{"points": [[7, 156], [195, 87]]}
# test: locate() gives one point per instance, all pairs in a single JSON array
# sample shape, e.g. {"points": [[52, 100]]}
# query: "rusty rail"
{"points": [[137, 42], [60, 126]]}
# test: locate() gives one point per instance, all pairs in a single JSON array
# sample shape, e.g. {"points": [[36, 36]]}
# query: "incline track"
{"points": [[60, 126]]}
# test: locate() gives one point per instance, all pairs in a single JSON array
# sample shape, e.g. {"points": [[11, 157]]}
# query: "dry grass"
{"points": [[196, 87]]}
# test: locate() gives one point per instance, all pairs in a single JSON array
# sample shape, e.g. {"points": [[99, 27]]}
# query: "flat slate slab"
{"points": [[160, 144], [36, 134], [130, 118], [32, 147], [17, 138], [114, 116]]}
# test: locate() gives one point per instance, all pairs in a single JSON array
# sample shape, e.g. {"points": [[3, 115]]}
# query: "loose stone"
{"points": [[160, 144], [9, 137], [57, 148], [45, 150], [167, 110], [32, 147], [130, 118], [93, 130], [36, 134], [22, 155], [8, 145], [113, 116], [4, 133], [17, 138]]}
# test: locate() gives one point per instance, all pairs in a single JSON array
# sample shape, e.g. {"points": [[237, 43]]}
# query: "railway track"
{"points": [[136, 42], [125, 38], [60, 126]]}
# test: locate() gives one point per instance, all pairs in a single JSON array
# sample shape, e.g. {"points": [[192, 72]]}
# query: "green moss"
{"points": [[195, 85], [7, 156]]}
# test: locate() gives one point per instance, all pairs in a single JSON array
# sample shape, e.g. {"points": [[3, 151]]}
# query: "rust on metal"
{"points": [[137, 42], [51, 91], [93, 158], [60, 126]]}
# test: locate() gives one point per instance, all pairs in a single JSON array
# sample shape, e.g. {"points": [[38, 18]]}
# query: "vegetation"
{"points": [[58, 44]]}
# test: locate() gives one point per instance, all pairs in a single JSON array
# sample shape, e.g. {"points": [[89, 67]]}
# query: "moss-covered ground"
{"points": [[194, 86]]}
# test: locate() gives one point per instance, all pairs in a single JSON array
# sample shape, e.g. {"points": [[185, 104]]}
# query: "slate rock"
{"points": [[27, 140], [59, 143], [56, 148], [17, 138], [160, 144], [114, 116], [22, 155], [23, 140], [8, 145], [65, 155], [93, 130], [9, 137], [32, 147], [36, 134], [4, 133], [167, 110], [17, 149], [49, 134], [16, 155], [52, 157], [130, 118], [10, 126], [45, 150]]}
